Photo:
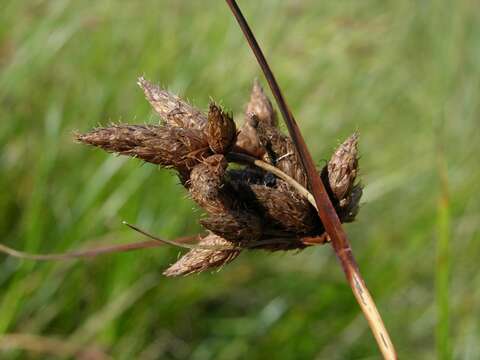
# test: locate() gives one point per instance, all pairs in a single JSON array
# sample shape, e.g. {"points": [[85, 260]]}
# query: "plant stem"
{"points": [[90, 253], [442, 278], [326, 211]]}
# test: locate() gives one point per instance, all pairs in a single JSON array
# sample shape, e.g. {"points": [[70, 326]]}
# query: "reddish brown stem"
{"points": [[325, 208], [90, 253]]}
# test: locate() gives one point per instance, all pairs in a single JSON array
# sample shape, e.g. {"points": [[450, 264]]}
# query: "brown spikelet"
{"points": [[198, 260], [221, 130], [342, 167], [235, 225], [226, 217], [206, 181], [258, 109], [260, 106], [172, 109], [171, 147], [281, 152], [279, 205], [342, 171], [285, 208], [248, 141]]}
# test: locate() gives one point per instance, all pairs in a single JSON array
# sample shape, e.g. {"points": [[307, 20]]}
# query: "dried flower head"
{"points": [[248, 141], [198, 260], [227, 216], [281, 152], [261, 106], [342, 167], [173, 110], [285, 209], [247, 207], [221, 130]]}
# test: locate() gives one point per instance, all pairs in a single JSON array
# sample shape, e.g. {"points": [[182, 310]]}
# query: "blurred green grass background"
{"points": [[406, 74]]}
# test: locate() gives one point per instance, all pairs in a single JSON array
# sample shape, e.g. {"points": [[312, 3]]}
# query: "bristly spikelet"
{"points": [[201, 259], [261, 106], [168, 146], [226, 217], [343, 167], [285, 209], [248, 141], [282, 152], [342, 172], [260, 136], [258, 109], [206, 184], [172, 109], [221, 130]]}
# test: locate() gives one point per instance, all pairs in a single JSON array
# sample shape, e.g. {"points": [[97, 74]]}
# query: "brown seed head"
{"points": [[226, 216], [248, 140], [172, 109], [260, 106], [343, 167], [221, 130], [206, 180], [247, 207], [198, 260], [282, 152], [285, 209], [259, 109], [168, 146]]}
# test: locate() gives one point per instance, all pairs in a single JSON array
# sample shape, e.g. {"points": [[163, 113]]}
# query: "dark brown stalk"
{"points": [[325, 208]]}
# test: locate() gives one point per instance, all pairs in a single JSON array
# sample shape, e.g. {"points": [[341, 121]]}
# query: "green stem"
{"points": [[443, 229]]}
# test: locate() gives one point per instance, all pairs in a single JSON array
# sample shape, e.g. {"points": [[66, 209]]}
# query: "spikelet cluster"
{"points": [[244, 208]]}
